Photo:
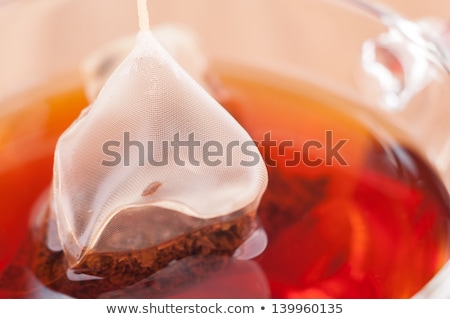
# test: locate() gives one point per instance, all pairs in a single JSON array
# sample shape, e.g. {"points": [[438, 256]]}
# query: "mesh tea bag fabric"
{"points": [[179, 40], [153, 158]]}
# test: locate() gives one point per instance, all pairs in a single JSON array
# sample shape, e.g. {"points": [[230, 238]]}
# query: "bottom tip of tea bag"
{"points": [[108, 271]]}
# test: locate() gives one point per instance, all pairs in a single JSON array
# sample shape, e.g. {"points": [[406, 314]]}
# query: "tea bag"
{"points": [[177, 39], [153, 170]]}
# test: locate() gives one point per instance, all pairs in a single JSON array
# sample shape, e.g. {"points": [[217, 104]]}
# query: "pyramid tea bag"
{"points": [[153, 170]]}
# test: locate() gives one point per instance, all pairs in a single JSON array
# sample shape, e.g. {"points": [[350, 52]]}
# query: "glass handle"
{"points": [[405, 73]]}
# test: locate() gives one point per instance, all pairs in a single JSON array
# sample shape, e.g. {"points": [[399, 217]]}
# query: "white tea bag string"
{"points": [[144, 21]]}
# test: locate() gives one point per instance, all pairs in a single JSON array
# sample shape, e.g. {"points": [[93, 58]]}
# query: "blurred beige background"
{"points": [[418, 8], [38, 36]]}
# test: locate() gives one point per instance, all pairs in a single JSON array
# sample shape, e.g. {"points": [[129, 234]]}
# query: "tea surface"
{"points": [[348, 213]]}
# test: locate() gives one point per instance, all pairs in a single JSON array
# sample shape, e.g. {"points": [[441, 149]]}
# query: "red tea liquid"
{"points": [[374, 227]]}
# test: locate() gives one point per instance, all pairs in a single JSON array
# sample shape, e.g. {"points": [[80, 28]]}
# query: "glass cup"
{"points": [[387, 72]]}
